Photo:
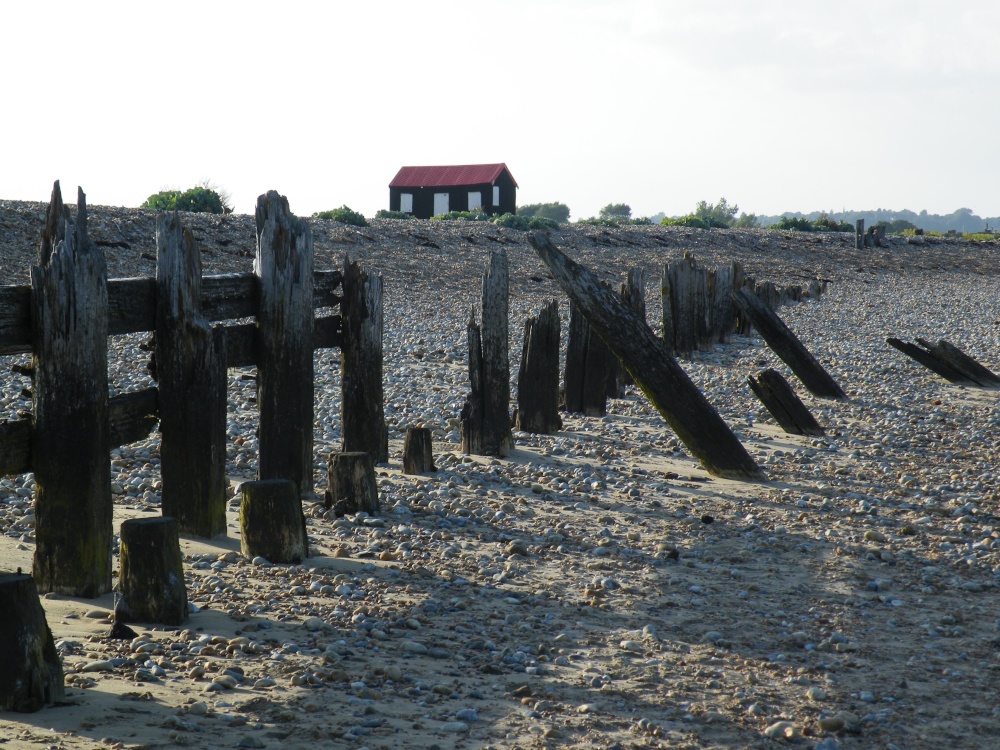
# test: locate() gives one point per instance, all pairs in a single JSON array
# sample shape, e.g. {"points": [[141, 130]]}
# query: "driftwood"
{"points": [[363, 413], [590, 365], [31, 674], [948, 361], [659, 376], [152, 573], [71, 441], [284, 265], [191, 371], [351, 479], [538, 375], [272, 524], [788, 348], [782, 403], [418, 452], [485, 425]]}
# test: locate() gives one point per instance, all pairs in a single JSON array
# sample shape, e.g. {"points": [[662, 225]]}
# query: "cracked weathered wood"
{"points": [[363, 426], [272, 524], [352, 484], [485, 425], [284, 266], [71, 441], [191, 371], [538, 373], [787, 346], [418, 451], [31, 674], [589, 368], [659, 376], [781, 402], [948, 361], [151, 579]]}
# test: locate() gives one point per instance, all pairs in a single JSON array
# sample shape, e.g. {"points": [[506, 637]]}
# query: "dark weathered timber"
{"points": [[538, 373], [683, 287], [782, 403], [191, 370], [362, 402], [151, 579], [786, 345], [132, 304], [241, 340], [659, 376], [962, 362], [284, 266], [418, 451], [351, 479], [71, 441], [31, 674], [15, 447], [720, 305], [633, 291], [576, 357], [931, 362], [485, 425], [590, 366], [859, 234], [272, 524]]}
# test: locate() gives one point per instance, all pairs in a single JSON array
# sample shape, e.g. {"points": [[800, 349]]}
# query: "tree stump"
{"points": [[538, 375], [152, 572], [272, 524], [285, 324], [485, 416], [31, 673], [418, 455], [71, 441], [781, 402], [351, 478], [362, 399]]}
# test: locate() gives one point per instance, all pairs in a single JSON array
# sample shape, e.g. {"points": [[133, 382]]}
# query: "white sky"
{"points": [[778, 105]]}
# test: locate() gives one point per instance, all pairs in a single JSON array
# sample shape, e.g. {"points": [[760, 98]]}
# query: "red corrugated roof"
{"points": [[458, 174]]}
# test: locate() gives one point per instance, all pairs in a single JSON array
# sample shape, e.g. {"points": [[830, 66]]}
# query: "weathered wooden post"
{"points": [[787, 346], [538, 374], [659, 376], [418, 452], [633, 291], [191, 371], [31, 673], [71, 441], [362, 402], [152, 572], [948, 361], [284, 267], [588, 368], [721, 318], [781, 402], [684, 288], [272, 524], [485, 423], [859, 234], [351, 479]]}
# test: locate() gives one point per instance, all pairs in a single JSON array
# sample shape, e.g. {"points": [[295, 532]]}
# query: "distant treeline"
{"points": [[963, 221]]}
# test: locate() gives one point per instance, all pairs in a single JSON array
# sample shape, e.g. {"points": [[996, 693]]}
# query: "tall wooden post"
{"points": [[362, 396], [284, 267], [659, 376], [634, 293], [486, 414], [588, 368], [191, 370], [71, 443], [538, 375], [859, 234]]}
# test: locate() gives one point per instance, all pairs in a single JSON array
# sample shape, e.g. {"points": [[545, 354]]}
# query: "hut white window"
{"points": [[406, 202]]}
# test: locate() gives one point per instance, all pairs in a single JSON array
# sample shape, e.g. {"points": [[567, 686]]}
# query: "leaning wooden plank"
{"points": [[659, 376], [962, 362], [786, 345], [71, 442], [931, 361], [782, 403]]}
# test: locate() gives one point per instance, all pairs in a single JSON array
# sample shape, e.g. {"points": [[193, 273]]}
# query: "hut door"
{"points": [[440, 203]]}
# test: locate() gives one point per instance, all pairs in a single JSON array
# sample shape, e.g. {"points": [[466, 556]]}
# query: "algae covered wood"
{"points": [[151, 578], [362, 394], [272, 524], [659, 376], [538, 374], [191, 370], [31, 674], [485, 425], [71, 440], [787, 346], [284, 267]]}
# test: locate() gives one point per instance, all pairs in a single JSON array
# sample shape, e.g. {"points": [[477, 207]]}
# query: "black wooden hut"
{"points": [[431, 191]]}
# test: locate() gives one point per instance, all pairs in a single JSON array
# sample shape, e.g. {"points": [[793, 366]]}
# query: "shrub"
{"points": [[616, 212], [558, 212], [344, 215], [794, 224], [595, 222], [462, 216], [385, 213], [199, 199], [684, 221]]}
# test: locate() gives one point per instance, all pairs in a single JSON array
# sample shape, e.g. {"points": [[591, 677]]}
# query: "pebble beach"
{"points": [[597, 588]]}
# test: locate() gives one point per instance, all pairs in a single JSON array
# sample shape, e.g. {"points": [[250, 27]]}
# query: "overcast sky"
{"points": [[778, 105]]}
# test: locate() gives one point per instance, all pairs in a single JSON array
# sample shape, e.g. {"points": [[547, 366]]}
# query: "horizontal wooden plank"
{"points": [[241, 340], [132, 304], [15, 447]]}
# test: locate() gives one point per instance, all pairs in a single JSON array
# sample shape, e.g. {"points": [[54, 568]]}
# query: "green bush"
{"points": [[595, 222], [199, 199], [794, 224], [344, 215], [462, 216], [558, 212], [385, 213], [616, 212], [684, 221]]}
